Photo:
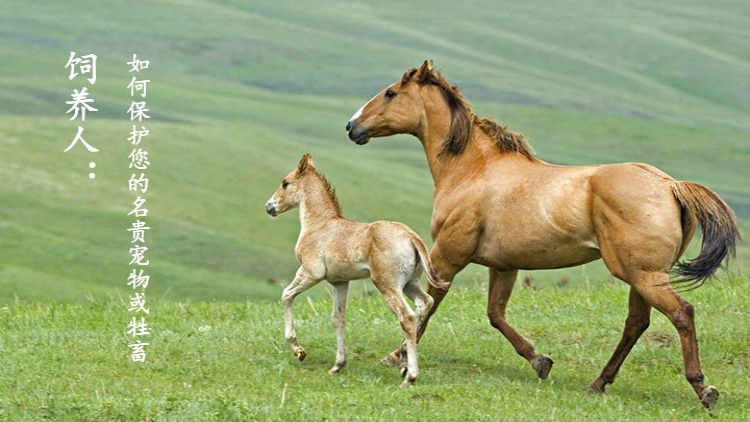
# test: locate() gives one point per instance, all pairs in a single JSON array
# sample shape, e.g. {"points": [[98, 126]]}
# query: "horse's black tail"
{"points": [[718, 225]]}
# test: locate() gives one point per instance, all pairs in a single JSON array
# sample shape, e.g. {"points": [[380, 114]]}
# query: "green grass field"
{"points": [[239, 91], [229, 361]]}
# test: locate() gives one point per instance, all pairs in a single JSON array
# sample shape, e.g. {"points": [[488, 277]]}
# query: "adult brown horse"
{"points": [[498, 205]]}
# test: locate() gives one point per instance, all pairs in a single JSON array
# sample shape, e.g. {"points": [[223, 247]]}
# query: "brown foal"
{"points": [[333, 248]]}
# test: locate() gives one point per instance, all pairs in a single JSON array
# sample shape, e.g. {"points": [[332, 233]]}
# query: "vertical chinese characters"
{"points": [[80, 102], [138, 160]]}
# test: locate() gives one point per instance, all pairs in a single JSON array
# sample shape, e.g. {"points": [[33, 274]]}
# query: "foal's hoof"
{"points": [[542, 364], [391, 359], [408, 381], [300, 353], [709, 396], [336, 368]]}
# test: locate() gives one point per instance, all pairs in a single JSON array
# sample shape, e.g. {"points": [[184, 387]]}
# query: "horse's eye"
{"points": [[284, 184], [389, 95]]}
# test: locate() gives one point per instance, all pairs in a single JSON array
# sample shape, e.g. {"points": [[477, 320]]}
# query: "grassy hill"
{"points": [[239, 91], [228, 361]]}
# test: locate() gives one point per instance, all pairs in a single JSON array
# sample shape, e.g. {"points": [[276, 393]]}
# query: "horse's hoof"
{"points": [[596, 387], [404, 371], [301, 355], [542, 364], [709, 396]]}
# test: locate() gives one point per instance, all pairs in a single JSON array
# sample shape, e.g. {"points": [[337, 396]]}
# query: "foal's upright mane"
{"points": [[463, 119], [329, 191]]}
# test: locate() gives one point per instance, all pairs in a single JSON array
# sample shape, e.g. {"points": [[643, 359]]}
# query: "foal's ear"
{"points": [[304, 163]]}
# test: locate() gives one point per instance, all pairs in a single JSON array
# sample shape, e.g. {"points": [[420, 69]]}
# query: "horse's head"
{"points": [[287, 196], [399, 108]]}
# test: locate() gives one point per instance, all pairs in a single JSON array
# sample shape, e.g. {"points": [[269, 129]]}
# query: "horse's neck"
{"points": [[445, 165], [316, 207]]}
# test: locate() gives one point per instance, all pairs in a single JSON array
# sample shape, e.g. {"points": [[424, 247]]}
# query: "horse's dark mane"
{"points": [[505, 139], [463, 119], [329, 190]]}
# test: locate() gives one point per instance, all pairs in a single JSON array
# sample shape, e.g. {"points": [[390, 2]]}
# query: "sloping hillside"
{"points": [[238, 92]]}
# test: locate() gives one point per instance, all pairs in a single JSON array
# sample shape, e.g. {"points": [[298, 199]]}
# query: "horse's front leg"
{"points": [[338, 319], [501, 286], [302, 281]]}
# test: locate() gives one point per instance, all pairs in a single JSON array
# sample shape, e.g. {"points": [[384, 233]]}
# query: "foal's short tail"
{"points": [[719, 227], [432, 276]]}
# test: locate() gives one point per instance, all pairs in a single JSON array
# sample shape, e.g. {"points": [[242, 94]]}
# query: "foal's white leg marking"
{"points": [[412, 366], [302, 281], [338, 319], [395, 299], [421, 299]]}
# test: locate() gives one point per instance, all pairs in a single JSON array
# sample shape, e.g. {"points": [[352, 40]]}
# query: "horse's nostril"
{"points": [[348, 126]]}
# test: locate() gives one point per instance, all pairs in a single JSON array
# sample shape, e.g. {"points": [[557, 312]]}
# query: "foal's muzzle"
{"points": [[271, 209], [357, 133]]}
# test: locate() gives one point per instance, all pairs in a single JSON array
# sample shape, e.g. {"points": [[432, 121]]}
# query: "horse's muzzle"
{"points": [[357, 133]]}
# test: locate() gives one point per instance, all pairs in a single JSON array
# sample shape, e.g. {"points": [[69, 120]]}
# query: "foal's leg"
{"points": [[408, 320], [447, 271], [501, 286], [338, 318], [639, 317], [655, 289], [302, 281], [423, 303]]}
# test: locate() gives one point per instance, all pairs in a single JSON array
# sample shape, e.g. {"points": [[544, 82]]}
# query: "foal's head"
{"points": [[401, 108], [288, 195], [305, 185]]}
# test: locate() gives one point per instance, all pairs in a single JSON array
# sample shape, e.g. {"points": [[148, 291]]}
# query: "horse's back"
{"points": [[564, 213]]}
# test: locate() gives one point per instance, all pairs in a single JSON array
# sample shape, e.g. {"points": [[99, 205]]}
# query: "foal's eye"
{"points": [[389, 95], [284, 184]]}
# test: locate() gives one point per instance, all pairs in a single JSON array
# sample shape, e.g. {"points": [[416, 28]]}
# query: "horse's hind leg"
{"points": [[501, 286], [639, 316], [656, 290], [338, 319]]}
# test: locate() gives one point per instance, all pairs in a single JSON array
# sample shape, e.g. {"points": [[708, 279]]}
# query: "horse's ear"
{"points": [[426, 66], [408, 75], [425, 72], [304, 163]]}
